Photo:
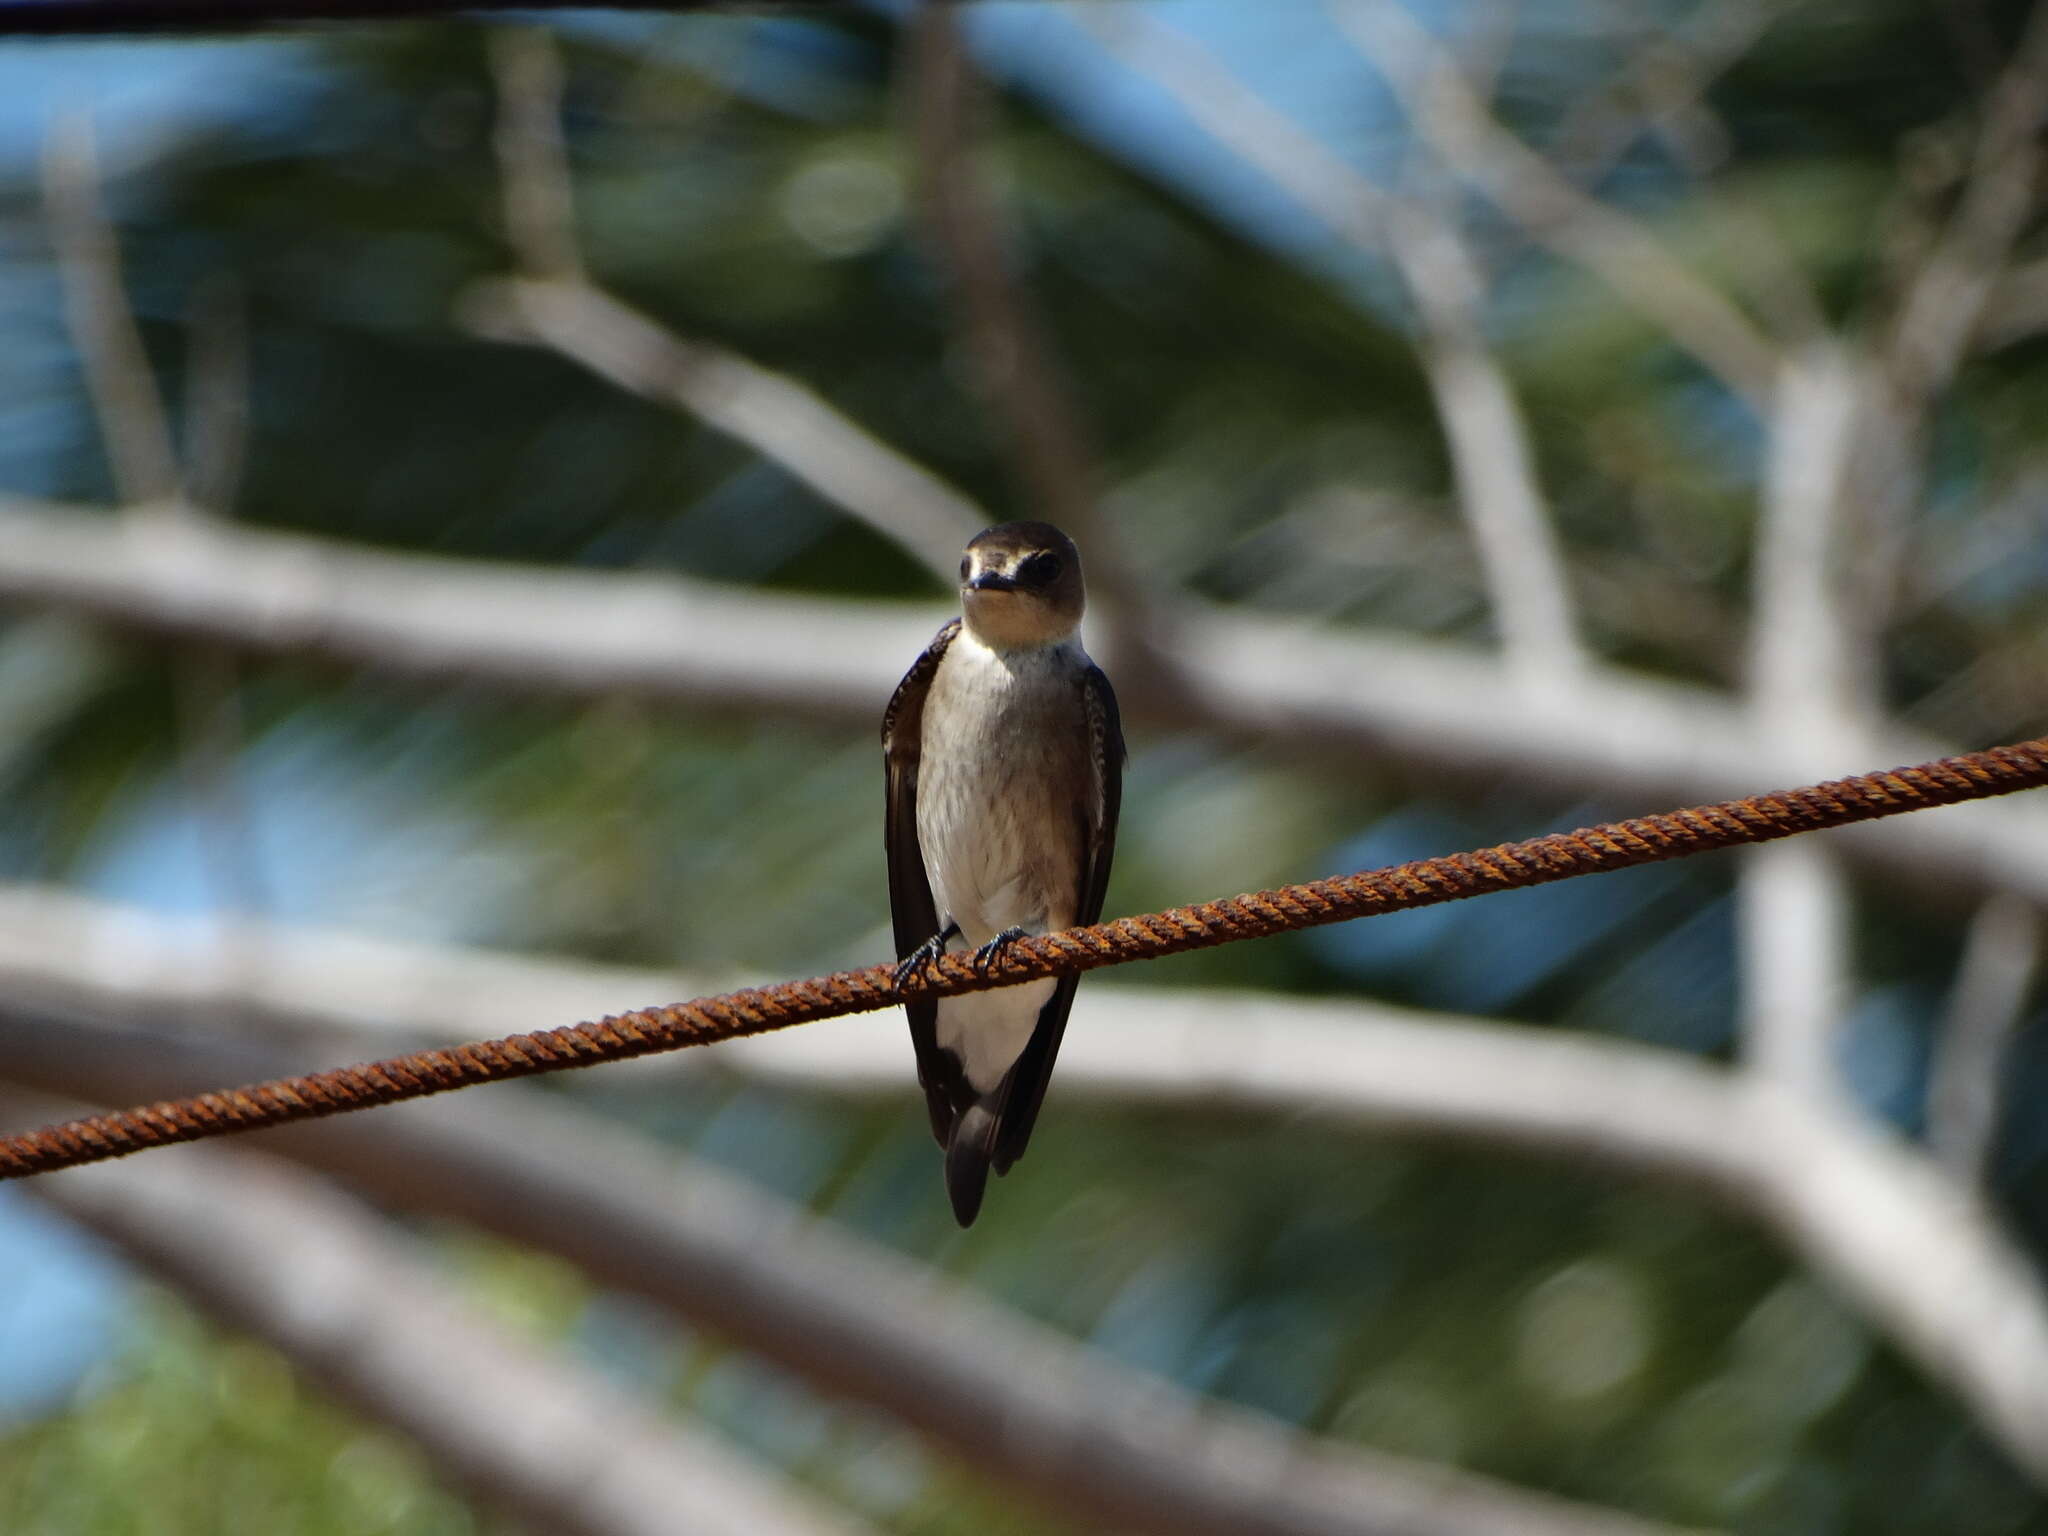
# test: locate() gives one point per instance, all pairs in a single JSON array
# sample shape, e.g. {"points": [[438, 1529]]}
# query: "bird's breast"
{"points": [[1003, 788]]}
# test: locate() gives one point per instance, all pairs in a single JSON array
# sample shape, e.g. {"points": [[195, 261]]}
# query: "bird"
{"points": [[1004, 757]]}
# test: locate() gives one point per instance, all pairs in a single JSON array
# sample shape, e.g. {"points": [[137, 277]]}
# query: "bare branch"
{"points": [[1924, 1257], [1496, 473], [1793, 902], [1241, 120], [1992, 985], [1946, 300], [1111, 1446], [49, 667], [1800, 676], [1661, 87], [125, 398], [1568, 221], [1005, 340], [2018, 307], [216, 393], [286, 1257], [1793, 911], [533, 160], [1662, 91], [144, 463], [1497, 484], [210, 731], [1937, 320], [1436, 706], [553, 305], [778, 417]]}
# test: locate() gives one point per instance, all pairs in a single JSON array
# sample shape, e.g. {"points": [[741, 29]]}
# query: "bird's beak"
{"points": [[992, 581]]}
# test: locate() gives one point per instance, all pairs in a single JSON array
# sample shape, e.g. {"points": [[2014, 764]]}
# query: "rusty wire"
{"points": [[757, 1010]]}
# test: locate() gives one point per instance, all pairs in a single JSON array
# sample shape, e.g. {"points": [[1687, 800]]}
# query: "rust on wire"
{"points": [[756, 1010]]}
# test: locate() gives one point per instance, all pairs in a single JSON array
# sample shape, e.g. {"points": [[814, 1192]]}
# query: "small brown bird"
{"points": [[1005, 774]]}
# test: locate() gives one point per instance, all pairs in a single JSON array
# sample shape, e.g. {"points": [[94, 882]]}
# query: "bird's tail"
{"points": [[967, 1160]]}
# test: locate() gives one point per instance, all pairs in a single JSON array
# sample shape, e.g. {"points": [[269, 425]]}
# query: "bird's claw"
{"points": [[992, 951], [923, 958]]}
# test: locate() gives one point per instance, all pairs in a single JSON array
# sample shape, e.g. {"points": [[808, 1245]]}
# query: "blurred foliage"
{"points": [[198, 1434], [1269, 441]]}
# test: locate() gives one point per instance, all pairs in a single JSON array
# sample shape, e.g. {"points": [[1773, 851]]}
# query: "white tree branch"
{"points": [[1793, 922], [1793, 901], [1336, 694], [1490, 456], [1924, 1257], [784, 421], [285, 1256], [1111, 1446]]}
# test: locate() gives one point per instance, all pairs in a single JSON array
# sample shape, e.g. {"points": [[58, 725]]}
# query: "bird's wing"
{"points": [[1025, 1090], [911, 908]]}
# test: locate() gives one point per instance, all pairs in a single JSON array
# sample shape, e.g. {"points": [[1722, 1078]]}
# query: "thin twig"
{"points": [[129, 409], [216, 393], [1944, 305], [1662, 91], [1005, 340], [1664, 82], [1992, 985], [210, 726], [533, 158], [162, 505], [553, 304], [1566, 220], [1945, 301], [1499, 493]]}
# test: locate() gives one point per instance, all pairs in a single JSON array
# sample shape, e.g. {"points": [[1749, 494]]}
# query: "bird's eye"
{"points": [[1040, 569], [966, 566]]}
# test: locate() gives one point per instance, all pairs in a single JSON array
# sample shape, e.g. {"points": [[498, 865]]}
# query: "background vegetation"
{"points": [[1262, 396]]}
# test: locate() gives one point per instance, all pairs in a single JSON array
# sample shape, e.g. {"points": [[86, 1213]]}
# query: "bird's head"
{"points": [[1020, 585]]}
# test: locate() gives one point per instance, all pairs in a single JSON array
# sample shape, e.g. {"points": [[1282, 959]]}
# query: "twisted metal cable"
{"points": [[757, 1010]]}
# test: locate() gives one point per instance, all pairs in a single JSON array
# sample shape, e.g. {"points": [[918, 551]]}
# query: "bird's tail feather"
{"points": [[967, 1160]]}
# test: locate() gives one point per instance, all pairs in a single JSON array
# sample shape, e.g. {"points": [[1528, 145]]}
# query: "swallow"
{"points": [[1004, 757]]}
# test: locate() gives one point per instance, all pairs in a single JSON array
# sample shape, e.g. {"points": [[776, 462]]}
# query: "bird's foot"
{"points": [[926, 955], [992, 951]]}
